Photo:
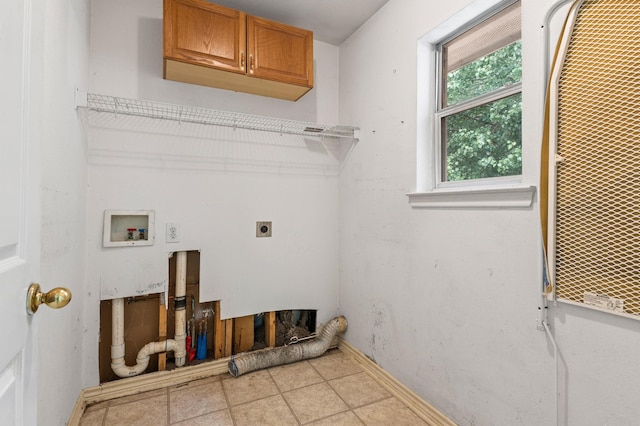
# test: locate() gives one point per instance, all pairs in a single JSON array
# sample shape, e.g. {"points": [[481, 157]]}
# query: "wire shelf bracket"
{"points": [[190, 114]]}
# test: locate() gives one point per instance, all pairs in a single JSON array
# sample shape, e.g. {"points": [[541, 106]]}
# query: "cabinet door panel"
{"points": [[205, 33], [279, 52]]}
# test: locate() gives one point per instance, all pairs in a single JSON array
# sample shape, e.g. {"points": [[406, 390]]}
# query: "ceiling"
{"points": [[332, 21]]}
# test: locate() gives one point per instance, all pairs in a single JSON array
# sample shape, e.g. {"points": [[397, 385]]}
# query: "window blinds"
{"points": [[498, 31]]}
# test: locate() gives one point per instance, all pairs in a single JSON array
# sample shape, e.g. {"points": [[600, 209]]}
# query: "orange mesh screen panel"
{"points": [[596, 247]]}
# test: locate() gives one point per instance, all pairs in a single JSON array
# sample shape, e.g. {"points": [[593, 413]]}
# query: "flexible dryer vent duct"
{"points": [[288, 354]]}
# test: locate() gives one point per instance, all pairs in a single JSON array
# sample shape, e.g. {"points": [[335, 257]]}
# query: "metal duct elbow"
{"points": [[287, 354]]}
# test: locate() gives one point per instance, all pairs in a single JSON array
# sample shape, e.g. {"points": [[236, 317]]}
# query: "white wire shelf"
{"points": [[190, 114]]}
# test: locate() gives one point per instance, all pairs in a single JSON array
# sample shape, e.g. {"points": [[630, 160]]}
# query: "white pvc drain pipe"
{"points": [[177, 345]]}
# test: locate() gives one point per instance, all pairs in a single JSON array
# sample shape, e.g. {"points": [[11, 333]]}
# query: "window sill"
{"points": [[489, 198]]}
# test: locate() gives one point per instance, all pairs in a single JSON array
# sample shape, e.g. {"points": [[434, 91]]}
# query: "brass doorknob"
{"points": [[57, 298]]}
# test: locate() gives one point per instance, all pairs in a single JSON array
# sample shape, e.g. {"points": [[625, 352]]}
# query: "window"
{"points": [[479, 100]]}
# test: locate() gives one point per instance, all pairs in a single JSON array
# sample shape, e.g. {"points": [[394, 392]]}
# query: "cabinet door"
{"points": [[203, 33], [279, 52]]}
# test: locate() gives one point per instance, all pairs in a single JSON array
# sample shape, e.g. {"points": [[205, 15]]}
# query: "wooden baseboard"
{"points": [[152, 381], [423, 409], [161, 379], [78, 410], [144, 383]]}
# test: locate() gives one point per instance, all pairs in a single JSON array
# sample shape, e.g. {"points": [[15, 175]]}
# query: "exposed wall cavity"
{"points": [[151, 318]]}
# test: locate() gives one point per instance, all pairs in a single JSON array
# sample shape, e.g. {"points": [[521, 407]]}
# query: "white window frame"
{"points": [[507, 191]]}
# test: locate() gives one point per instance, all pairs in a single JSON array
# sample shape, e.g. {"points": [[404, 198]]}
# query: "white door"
{"points": [[19, 218]]}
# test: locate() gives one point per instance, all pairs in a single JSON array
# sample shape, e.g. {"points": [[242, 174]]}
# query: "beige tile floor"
{"points": [[330, 390]]}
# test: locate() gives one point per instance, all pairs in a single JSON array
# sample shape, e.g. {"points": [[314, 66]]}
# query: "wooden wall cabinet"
{"points": [[220, 47]]}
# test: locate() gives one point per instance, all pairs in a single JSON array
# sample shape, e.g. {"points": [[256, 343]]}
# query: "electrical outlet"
{"points": [[173, 233], [263, 229]]}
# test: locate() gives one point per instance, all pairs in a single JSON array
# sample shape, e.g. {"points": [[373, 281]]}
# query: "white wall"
{"points": [[65, 65], [215, 182], [447, 300], [126, 60]]}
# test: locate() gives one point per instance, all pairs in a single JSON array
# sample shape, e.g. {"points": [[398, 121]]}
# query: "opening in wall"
{"points": [[143, 320]]}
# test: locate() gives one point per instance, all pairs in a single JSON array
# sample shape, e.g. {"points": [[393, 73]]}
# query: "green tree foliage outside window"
{"points": [[484, 141]]}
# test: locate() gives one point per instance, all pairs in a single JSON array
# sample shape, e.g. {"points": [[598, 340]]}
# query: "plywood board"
{"points": [[141, 327], [270, 329], [162, 333], [222, 335], [242, 334]]}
